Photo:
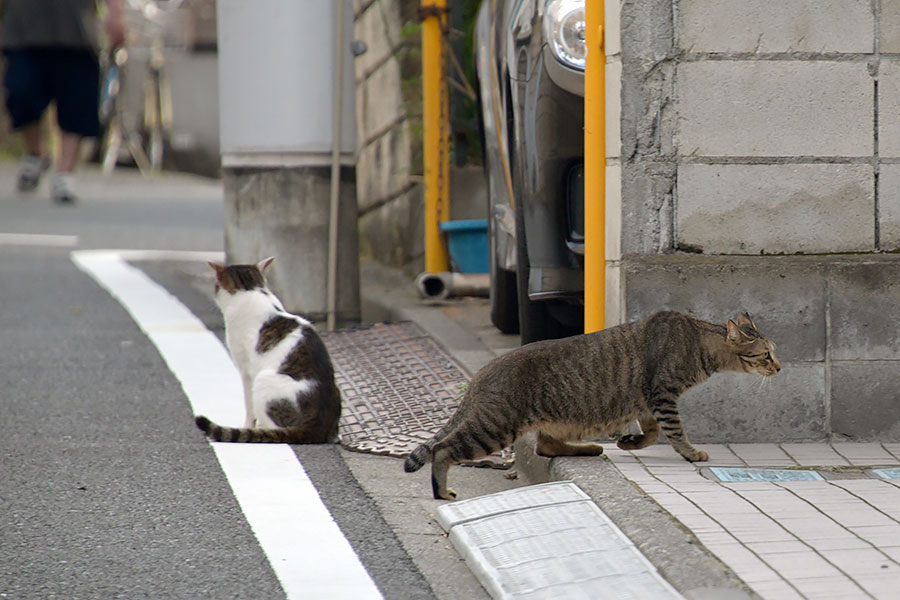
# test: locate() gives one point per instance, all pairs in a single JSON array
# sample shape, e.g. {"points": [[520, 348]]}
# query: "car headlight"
{"points": [[564, 28]]}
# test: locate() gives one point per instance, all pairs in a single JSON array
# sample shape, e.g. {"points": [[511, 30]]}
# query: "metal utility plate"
{"points": [[731, 474], [890, 473], [549, 541], [398, 386]]}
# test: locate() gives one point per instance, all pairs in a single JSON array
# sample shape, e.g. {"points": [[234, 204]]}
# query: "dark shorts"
{"points": [[71, 78]]}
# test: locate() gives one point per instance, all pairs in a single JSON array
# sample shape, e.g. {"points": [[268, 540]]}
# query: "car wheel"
{"points": [[504, 301], [535, 321]]}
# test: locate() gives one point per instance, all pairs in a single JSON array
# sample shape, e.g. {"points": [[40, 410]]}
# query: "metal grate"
{"points": [[399, 387]]}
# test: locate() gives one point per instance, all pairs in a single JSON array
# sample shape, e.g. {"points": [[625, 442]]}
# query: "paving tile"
{"points": [[845, 540], [805, 563], [777, 589], [748, 486], [880, 494], [814, 454], [859, 562], [892, 551], [864, 454], [765, 548], [810, 529], [893, 449], [829, 588], [660, 454], [701, 524], [882, 586], [714, 537], [879, 535], [742, 561], [721, 455], [676, 504], [762, 455]]}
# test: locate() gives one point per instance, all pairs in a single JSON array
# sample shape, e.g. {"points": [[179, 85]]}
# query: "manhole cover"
{"points": [[399, 387]]}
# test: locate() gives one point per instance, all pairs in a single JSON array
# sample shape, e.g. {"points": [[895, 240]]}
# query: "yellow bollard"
{"points": [[436, 118], [594, 171]]}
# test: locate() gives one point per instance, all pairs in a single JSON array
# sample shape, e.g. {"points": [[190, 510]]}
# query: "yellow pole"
{"points": [[594, 171], [436, 116]]}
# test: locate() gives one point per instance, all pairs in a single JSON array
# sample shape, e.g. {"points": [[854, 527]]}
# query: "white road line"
{"points": [[38, 239], [304, 545]]}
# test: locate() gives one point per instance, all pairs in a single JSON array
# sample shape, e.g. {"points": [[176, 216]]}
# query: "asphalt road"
{"points": [[107, 490]]}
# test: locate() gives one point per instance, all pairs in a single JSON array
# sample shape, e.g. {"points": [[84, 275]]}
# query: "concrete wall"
{"points": [[760, 172]]}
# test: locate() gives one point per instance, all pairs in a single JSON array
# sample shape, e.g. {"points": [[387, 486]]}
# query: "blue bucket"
{"points": [[468, 244]]}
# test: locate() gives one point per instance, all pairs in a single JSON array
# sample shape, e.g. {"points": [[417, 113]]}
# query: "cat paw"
{"points": [[697, 456], [630, 442], [449, 494]]}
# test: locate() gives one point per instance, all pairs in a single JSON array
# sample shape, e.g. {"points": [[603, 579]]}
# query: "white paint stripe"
{"points": [[37, 239], [307, 551]]}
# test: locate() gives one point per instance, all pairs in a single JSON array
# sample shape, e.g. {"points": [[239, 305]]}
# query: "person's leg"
{"points": [[77, 97], [27, 96], [63, 184]]}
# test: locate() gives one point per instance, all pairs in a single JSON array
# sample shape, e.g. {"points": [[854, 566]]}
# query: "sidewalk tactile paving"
{"points": [[549, 541], [399, 387]]}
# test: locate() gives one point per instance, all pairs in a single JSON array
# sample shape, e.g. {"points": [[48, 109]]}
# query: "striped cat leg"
{"points": [[550, 446], [650, 429], [665, 411], [440, 464]]}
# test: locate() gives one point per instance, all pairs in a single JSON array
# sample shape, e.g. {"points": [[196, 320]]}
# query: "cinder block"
{"points": [[775, 108], [889, 108], [864, 402], [371, 27], [384, 100], [865, 308], [889, 27], [752, 209], [785, 296], [736, 407], [889, 207], [768, 26]]}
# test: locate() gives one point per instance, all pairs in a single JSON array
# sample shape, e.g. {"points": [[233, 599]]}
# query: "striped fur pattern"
{"points": [[289, 390], [587, 385]]}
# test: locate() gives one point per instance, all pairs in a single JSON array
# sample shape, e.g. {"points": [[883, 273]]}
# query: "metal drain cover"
{"points": [[739, 474], [549, 541], [399, 387]]}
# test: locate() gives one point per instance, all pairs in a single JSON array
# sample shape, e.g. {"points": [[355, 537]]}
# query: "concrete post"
{"points": [[276, 75]]}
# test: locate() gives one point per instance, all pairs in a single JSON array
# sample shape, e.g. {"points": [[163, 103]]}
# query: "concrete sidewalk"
{"points": [[777, 521]]}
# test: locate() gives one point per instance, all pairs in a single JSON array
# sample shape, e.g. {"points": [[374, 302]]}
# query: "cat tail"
{"points": [[286, 435], [418, 457], [422, 454]]}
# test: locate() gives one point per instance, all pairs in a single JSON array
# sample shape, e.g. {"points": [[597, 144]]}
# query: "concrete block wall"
{"points": [[761, 172], [389, 195]]}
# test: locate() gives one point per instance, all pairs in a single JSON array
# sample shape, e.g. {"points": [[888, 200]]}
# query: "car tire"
{"points": [[503, 293], [535, 320]]}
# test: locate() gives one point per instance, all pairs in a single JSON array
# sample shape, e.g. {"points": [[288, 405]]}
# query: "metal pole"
{"points": [[436, 146], [594, 171], [334, 205]]}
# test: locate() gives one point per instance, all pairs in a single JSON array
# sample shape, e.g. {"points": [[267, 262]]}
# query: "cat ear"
{"points": [[264, 264], [216, 267], [745, 320], [735, 335]]}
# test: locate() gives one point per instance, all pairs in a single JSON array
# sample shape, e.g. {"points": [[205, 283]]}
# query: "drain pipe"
{"points": [[334, 204], [440, 286]]}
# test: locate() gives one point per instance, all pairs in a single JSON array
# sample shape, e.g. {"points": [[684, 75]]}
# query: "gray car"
{"points": [[530, 65]]}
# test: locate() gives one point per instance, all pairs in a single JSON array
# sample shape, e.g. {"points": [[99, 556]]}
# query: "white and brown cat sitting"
{"points": [[289, 388]]}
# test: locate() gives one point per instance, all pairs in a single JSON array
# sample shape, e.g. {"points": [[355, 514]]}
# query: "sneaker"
{"points": [[61, 188], [30, 172]]}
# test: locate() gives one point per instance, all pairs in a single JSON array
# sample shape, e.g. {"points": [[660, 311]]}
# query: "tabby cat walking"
{"points": [[587, 385], [289, 389]]}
